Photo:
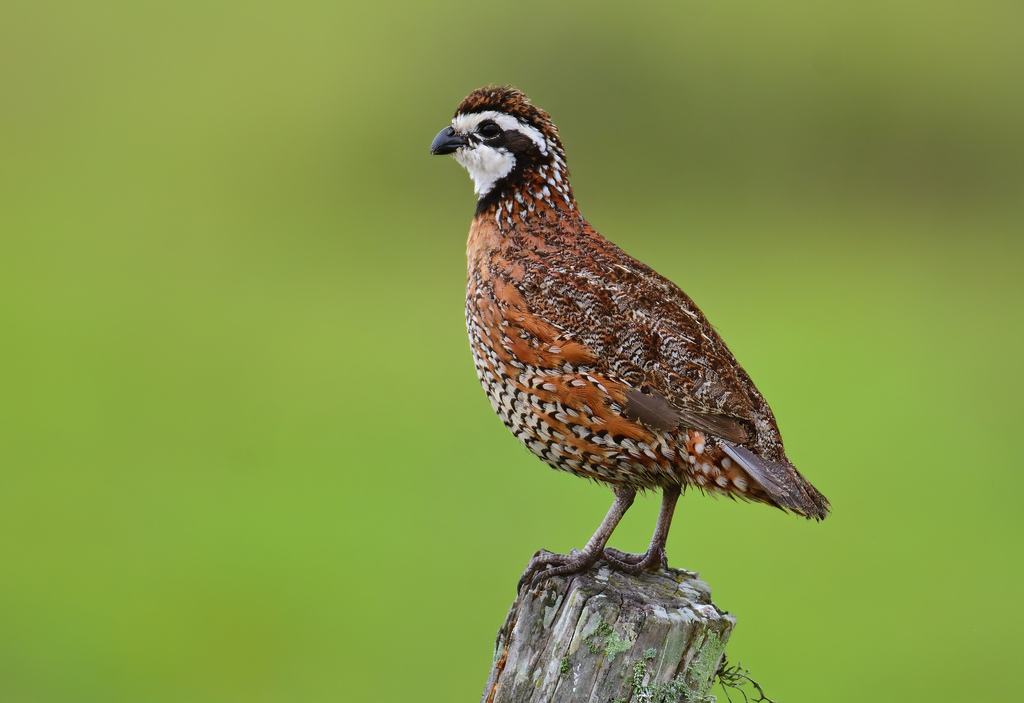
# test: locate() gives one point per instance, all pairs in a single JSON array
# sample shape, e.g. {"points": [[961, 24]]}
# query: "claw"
{"points": [[613, 555], [537, 570], [654, 559], [578, 561], [546, 565]]}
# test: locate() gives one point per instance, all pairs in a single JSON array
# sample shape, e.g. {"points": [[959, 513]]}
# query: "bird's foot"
{"points": [[652, 560], [544, 565]]}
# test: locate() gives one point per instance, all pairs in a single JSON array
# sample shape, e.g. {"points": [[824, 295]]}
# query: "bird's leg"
{"points": [[561, 564], [655, 556]]}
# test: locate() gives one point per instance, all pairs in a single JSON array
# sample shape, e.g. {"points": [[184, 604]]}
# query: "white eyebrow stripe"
{"points": [[467, 123]]}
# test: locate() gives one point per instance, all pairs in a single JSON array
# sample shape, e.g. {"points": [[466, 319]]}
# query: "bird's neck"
{"points": [[531, 199], [524, 227]]}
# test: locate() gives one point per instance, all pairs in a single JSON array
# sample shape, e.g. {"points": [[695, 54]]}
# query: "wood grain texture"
{"points": [[603, 635]]}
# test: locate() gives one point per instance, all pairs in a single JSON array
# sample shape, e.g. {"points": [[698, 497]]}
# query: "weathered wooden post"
{"points": [[605, 636]]}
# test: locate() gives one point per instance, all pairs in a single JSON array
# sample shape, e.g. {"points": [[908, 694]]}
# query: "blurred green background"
{"points": [[244, 453]]}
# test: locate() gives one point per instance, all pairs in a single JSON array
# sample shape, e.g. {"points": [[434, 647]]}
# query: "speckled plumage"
{"points": [[599, 365]]}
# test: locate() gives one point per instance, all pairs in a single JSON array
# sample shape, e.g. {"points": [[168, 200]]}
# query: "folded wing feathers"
{"points": [[789, 489], [653, 409], [782, 482]]}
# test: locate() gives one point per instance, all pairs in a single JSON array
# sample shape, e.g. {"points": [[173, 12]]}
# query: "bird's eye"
{"points": [[489, 130]]}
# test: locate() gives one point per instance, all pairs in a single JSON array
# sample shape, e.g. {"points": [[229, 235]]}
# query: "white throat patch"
{"points": [[487, 165]]}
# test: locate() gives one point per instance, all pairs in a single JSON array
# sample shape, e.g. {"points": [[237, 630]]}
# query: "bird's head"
{"points": [[502, 139]]}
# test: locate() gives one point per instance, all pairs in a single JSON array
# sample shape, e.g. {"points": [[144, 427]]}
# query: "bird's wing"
{"points": [[651, 408], [644, 329]]}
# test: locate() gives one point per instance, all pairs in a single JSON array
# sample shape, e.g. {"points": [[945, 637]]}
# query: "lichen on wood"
{"points": [[608, 636]]}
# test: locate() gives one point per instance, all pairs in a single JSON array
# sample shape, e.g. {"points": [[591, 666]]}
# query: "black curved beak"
{"points": [[446, 142]]}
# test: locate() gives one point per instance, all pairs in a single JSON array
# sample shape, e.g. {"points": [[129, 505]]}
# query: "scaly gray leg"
{"points": [[655, 556], [561, 564]]}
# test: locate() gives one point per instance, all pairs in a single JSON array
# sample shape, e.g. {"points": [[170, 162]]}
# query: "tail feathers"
{"points": [[783, 483]]}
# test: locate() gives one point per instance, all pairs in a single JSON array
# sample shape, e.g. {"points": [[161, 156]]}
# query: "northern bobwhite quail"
{"points": [[599, 365]]}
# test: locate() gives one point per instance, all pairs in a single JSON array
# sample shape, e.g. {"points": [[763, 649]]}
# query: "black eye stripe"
{"points": [[518, 142]]}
